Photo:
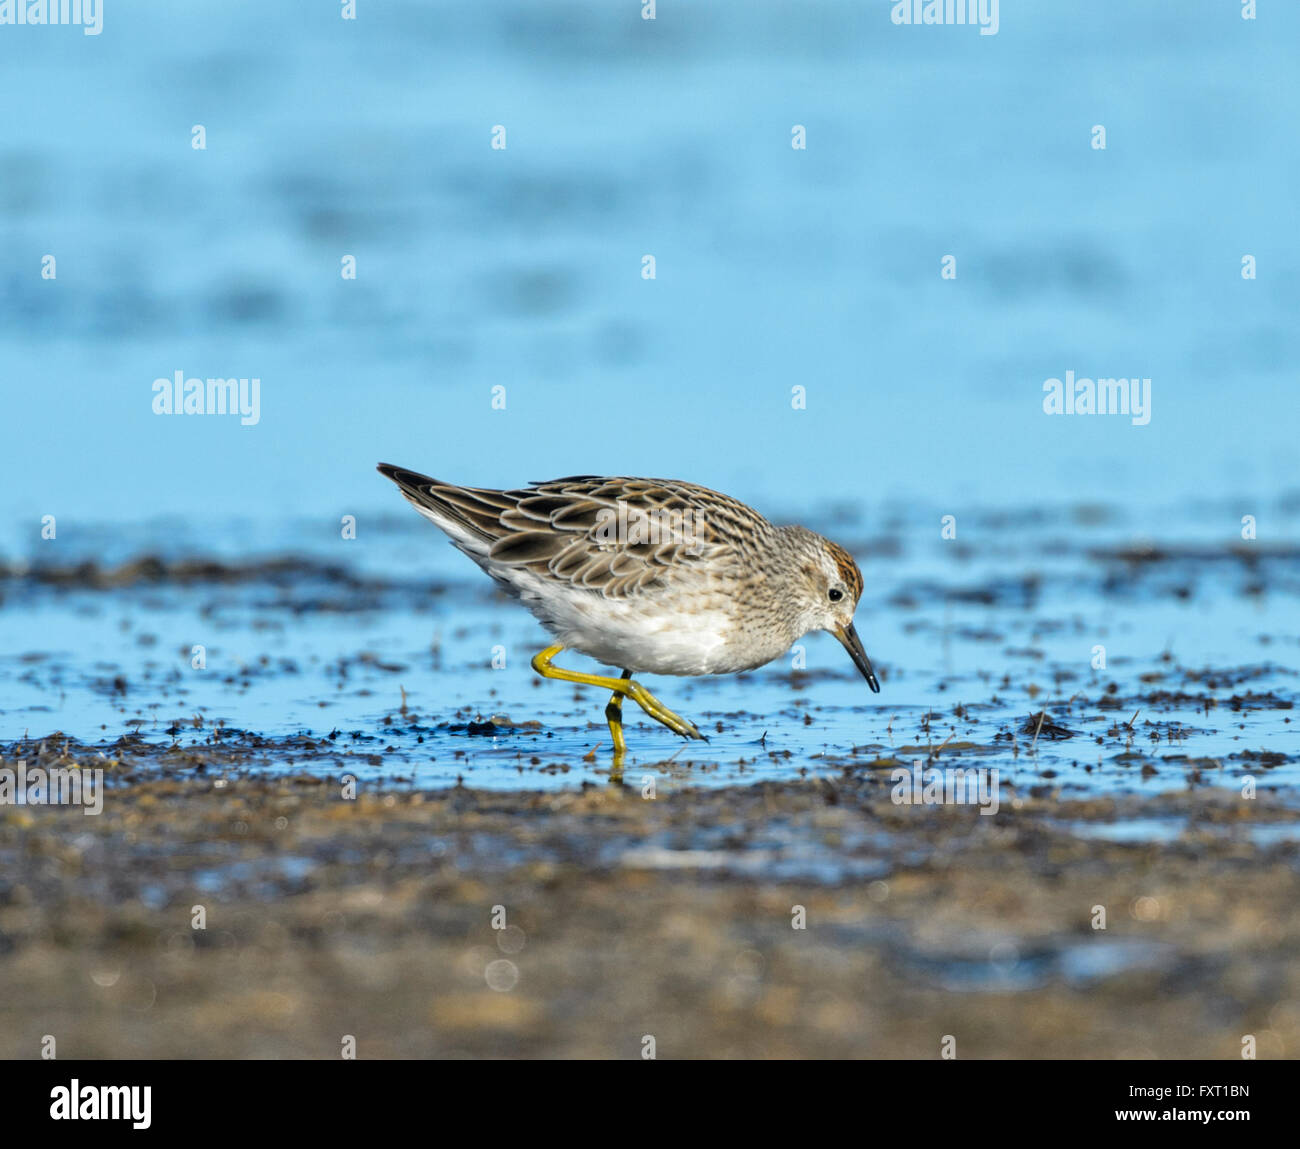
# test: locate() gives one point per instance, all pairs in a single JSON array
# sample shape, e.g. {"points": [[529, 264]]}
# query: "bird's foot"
{"points": [[660, 713]]}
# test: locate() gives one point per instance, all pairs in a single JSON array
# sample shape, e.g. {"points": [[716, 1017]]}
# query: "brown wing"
{"points": [[614, 536]]}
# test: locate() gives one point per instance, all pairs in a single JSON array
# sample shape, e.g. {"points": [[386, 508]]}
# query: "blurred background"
{"points": [[628, 137]]}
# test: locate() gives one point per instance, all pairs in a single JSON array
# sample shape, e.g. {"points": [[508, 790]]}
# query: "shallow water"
{"points": [[353, 647]]}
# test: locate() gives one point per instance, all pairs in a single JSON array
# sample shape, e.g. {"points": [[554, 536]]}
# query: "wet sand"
{"points": [[627, 917]]}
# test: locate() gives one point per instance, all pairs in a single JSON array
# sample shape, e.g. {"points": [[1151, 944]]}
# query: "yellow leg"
{"points": [[614, 716], [620, 686]]}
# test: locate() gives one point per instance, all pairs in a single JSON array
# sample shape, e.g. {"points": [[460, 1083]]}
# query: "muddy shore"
{"points": [[625, 917]]}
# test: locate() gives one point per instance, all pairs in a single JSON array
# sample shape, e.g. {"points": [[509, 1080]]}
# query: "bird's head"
{"points": [[830, 585]]}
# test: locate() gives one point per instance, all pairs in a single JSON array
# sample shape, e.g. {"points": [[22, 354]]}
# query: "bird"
{"points": [[651, 576]]}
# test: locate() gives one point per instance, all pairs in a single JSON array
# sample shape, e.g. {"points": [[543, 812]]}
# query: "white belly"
{"points": [[640, 634]]}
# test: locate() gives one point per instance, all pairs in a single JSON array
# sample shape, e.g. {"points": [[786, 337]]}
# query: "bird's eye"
{"points": [[836, 594]]}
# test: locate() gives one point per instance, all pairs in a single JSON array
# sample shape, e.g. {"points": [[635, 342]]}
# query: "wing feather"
{"points": [[583, 530]]}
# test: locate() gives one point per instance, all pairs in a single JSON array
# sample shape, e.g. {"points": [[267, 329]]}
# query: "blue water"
{"points": [[625, 137], [776, 268], [1003, 626]]}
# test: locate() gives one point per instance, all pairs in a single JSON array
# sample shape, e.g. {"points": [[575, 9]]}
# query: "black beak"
{"points": [[853, 644]]}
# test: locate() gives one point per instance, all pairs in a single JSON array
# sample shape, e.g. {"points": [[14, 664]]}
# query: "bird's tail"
{"points": [[470, 515]]}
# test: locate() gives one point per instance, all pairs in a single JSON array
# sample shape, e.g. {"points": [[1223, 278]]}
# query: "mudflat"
{"points": [[813, 918]]}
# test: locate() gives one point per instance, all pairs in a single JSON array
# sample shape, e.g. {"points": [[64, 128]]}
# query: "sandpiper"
{"points": [[653, 576]]}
